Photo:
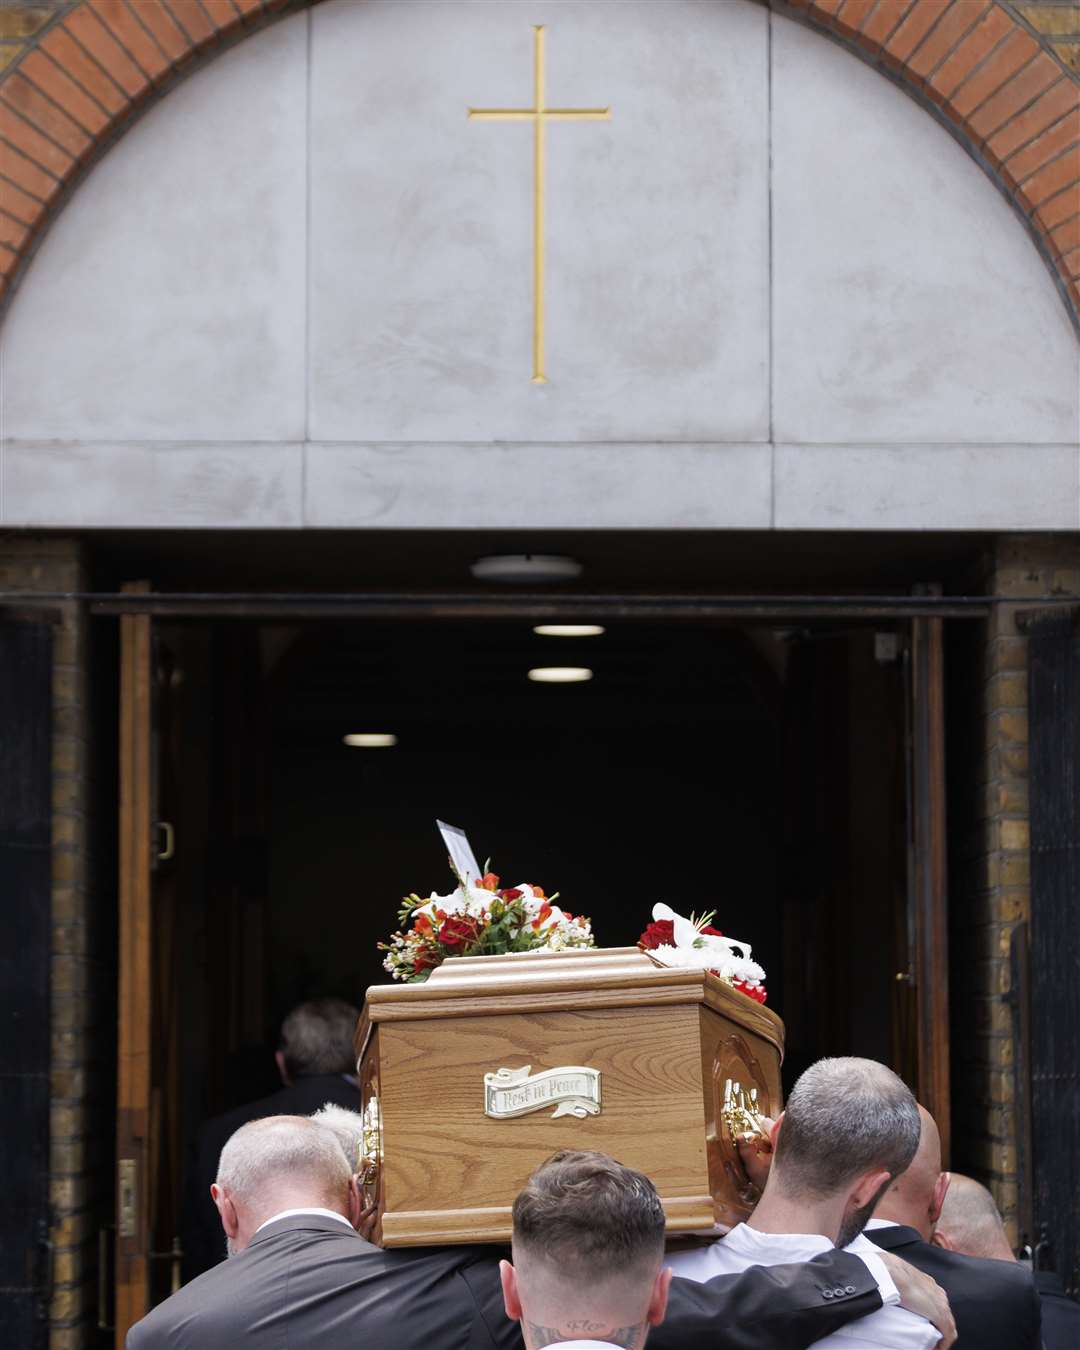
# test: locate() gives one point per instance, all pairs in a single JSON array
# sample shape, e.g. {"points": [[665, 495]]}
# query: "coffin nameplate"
{"points": [[572, 1090]]}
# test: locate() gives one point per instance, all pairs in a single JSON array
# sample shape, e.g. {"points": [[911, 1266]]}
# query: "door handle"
{"points": [[168, 840], [175, 1256], [127, 1218]]}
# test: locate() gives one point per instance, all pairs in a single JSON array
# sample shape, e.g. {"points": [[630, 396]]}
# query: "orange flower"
{"points": [[488, 882], [543, 916]]}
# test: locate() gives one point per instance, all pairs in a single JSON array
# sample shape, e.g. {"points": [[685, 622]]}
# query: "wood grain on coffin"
{"points": [[605, 978], [439, 1151], [655, 1036], [458, 1226]]}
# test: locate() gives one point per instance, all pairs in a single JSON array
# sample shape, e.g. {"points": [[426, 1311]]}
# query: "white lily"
{"points": [[696, 950]]}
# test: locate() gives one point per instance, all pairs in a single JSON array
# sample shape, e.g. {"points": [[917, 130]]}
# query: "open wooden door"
{"points": [[135, 995], [927, 974]]}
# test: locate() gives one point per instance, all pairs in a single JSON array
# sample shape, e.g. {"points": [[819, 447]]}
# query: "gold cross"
{"points": [[539, 114]]}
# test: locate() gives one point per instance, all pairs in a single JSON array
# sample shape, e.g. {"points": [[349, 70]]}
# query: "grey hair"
{"points": [[845, 1117], [347, 1127], [970, 1216], [279, 1152], [317, 1037]]}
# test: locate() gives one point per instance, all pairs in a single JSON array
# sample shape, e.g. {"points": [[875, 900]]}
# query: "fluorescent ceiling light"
{"points": [[560, 674], [570, 630], [370, 740]]}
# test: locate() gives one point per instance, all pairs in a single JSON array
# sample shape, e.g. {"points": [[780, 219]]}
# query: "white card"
{"points": [[461, 855]]}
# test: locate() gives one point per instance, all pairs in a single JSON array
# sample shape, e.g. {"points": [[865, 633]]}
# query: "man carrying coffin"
{"points": [[995, 1303], [850, 1128], [301, 1275], [971, 1225]]}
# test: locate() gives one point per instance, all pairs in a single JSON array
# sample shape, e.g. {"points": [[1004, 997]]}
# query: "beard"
{"points": [[231, 1249], [855, 1220]]}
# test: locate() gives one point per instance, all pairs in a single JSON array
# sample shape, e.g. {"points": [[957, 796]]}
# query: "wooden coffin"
{"points": [[644, 1057]]}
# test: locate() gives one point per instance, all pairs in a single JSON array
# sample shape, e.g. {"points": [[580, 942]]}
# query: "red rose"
{"points": [[660, 933], [459, 930], [511, 894]]}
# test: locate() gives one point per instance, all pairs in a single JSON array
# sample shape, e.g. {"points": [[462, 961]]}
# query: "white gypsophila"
{"points": [[576, 932], [705, 958]]}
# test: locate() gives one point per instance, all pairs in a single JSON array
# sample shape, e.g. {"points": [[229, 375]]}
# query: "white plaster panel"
{"points": [[122, 486], [421, 245], [927, 487], [909, 302], [538, 486], [167, 301]]}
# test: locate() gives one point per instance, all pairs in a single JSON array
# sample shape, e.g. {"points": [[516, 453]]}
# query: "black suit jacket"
{"points": [[994, 1302], [765, 1308], [1060, 1314], [308, 1283], [200, 1232]]}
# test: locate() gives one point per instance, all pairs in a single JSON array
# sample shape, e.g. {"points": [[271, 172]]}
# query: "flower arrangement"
{"points": [[479, 919], [694, 944]]}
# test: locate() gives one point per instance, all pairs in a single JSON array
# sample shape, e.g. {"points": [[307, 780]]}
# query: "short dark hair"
{"points": [[589, 1215], [317, 1038], [845, 1117]]}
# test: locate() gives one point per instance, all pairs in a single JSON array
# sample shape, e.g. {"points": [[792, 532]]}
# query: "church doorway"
{"points": [[778, 768]]}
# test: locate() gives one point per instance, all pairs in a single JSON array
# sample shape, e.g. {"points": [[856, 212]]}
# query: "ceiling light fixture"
{"points": [[569, 630], [560, 674], [523, 569], [370, 740]]}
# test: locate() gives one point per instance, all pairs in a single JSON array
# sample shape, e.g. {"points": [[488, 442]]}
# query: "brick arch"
{"points": [[75, 74]]}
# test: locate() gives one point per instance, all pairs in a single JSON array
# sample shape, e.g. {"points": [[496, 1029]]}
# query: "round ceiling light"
{"points": [[523, 569], [370, 740], [560, 674], [569, 630]]}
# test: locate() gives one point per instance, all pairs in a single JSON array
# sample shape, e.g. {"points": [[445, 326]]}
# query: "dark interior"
{"points": [[758, 771]]}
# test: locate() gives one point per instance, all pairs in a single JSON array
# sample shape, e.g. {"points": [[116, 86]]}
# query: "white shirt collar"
{"points": [[882, 1223], [306, 1209]]}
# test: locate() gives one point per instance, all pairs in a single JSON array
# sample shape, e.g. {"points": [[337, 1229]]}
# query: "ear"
{"points": [[774, 1133], [279, 1058], [940, 1239], [511, 1300], [867, 1187], [658, 1300], [355, 1201], [937, 1199], [230, 1220]]}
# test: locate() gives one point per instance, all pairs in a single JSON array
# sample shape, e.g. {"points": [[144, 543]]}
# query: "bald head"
{"points": [[274, 1164], [971, 1223], [915, 1197]]}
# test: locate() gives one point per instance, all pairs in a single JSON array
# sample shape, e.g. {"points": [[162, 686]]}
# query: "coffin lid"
{"points": [[563, 981]]}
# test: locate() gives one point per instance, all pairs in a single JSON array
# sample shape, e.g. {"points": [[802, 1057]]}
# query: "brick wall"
{"points": [[991, 873], [83, 947]]}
